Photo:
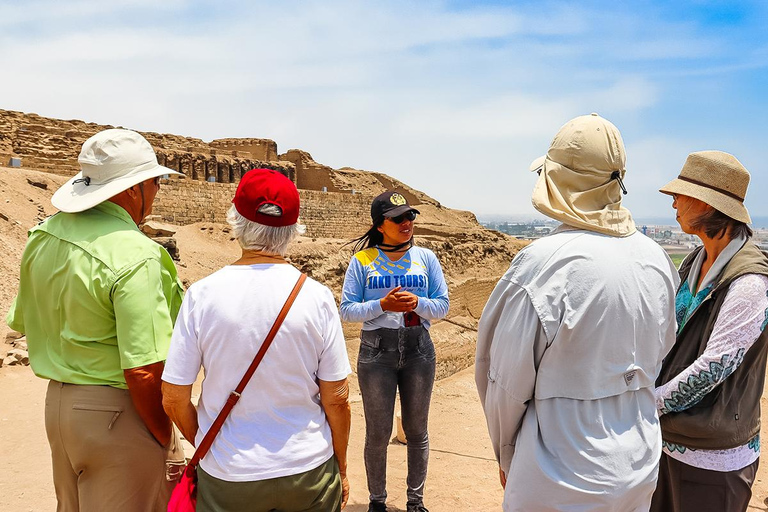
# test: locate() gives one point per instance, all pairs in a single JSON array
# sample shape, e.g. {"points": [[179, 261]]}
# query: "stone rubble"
{"points": [[17, 355], [162, 234]]}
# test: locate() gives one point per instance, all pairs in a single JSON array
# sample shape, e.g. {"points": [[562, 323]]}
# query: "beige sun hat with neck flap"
{"points": [[111, 161], [718, 179], [580, 183]]}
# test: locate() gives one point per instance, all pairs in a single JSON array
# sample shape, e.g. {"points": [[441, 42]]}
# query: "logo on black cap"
{"points": [[397, 200]]}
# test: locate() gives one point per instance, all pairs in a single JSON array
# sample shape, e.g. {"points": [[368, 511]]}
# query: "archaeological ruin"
{"points": [[335, 207]]}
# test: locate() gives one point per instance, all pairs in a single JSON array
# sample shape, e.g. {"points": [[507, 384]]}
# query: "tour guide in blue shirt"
{"points": [[396, 290], [97, 300]]}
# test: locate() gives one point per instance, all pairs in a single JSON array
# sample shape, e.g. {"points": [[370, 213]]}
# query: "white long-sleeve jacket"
{"points": [[569, 346]]}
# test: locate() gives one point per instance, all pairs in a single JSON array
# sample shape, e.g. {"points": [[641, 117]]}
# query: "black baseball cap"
{"points": [[390, 204]]}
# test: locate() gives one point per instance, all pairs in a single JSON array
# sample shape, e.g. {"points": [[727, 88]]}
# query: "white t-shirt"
{"points": [[278, 428]]}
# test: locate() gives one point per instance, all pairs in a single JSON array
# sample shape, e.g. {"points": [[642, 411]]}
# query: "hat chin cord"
{"points": [[616, 175], [141, 213]]}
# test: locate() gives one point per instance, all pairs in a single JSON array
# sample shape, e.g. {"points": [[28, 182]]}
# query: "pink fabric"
{"points": [[184, 496]]}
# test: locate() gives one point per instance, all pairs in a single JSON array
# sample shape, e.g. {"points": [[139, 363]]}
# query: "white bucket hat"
{"points": [[581, 176], [111, 161]]}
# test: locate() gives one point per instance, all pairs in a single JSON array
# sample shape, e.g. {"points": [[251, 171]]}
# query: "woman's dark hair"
{"points": [[715, 224], [371, 238]]}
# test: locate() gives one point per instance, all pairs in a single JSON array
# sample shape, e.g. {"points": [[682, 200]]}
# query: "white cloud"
{"points": [[41, 11], [454, 102]]}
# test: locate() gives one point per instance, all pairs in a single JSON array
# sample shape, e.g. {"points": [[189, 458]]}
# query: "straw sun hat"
{"points": [[716, 178], [111, 161]]}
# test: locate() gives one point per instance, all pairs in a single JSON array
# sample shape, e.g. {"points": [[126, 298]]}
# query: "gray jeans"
{"points": [[392, 359]]}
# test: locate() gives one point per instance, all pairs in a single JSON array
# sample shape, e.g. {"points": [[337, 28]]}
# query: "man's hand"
{"points": [[344, 490], [399, 302], [144, 387], [502, 478]]}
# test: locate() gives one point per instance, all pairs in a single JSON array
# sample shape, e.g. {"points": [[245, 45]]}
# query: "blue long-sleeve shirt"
{"points": [[371, 275]]}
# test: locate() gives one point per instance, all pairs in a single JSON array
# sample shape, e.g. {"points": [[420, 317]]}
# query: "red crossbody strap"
{"points": [[207, 441]]}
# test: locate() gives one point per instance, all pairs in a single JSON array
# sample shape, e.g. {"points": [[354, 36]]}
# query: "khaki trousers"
{"points": [[104, 457]]}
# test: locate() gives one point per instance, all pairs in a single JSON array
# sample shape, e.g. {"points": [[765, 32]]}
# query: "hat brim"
{"points": [[399, 210], [537, 164], [729, 206], [74, 197]]}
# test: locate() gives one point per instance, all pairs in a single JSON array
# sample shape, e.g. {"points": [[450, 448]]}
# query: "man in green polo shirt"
{"points": [[97, 300]]}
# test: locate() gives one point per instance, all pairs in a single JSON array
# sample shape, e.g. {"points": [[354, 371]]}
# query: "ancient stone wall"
{"points": [[326, 214], [335, 215], [259, 149], [53, 145], [310, 175], [185, 201]]}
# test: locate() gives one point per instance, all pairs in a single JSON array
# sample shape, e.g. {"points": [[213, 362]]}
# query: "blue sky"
{"points": [[454, 98]]}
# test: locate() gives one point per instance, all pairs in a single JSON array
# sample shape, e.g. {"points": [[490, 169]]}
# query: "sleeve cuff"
{"points": [[172, 379], [333, 377], [507, 452]]}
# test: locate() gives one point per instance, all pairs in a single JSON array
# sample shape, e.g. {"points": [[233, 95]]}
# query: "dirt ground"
{"points": [[462, 472]]}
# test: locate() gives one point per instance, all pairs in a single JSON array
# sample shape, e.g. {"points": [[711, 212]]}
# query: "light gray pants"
{"points": [[104, 457]]}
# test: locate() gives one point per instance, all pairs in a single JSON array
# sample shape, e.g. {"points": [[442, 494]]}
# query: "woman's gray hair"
{"points": [[258, 237]]}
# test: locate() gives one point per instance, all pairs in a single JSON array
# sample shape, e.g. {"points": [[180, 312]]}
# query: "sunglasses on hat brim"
{"points": [[409, 215]]}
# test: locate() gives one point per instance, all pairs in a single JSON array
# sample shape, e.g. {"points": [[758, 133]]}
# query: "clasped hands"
{"points": [[399, 301]]}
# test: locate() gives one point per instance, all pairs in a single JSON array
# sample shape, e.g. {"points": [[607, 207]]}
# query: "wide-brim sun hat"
{"points": [[111, 161], [716, 178], [581, 175]]}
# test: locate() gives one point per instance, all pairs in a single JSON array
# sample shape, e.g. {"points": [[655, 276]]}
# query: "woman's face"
{"points": [[396, 233], [688, 210]]}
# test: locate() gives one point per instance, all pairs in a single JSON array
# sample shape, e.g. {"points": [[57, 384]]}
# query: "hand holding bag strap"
{"points": [[207, 441]]}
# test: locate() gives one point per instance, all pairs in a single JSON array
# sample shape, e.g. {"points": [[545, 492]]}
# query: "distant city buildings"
{"points": [[671, 237], [523, 230]]}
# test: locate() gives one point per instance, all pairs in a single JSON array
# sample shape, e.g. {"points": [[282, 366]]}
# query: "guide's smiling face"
{"points": [[396, 233]]}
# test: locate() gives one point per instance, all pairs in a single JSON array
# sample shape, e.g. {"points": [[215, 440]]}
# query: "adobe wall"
{"points": [[310, 175], [186, 201], [326, 214], [53, 145], [260, 149], [335, 215]]}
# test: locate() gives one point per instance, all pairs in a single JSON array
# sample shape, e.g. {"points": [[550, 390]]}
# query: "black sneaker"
{"points": [[377, 506], [415, 507]]}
